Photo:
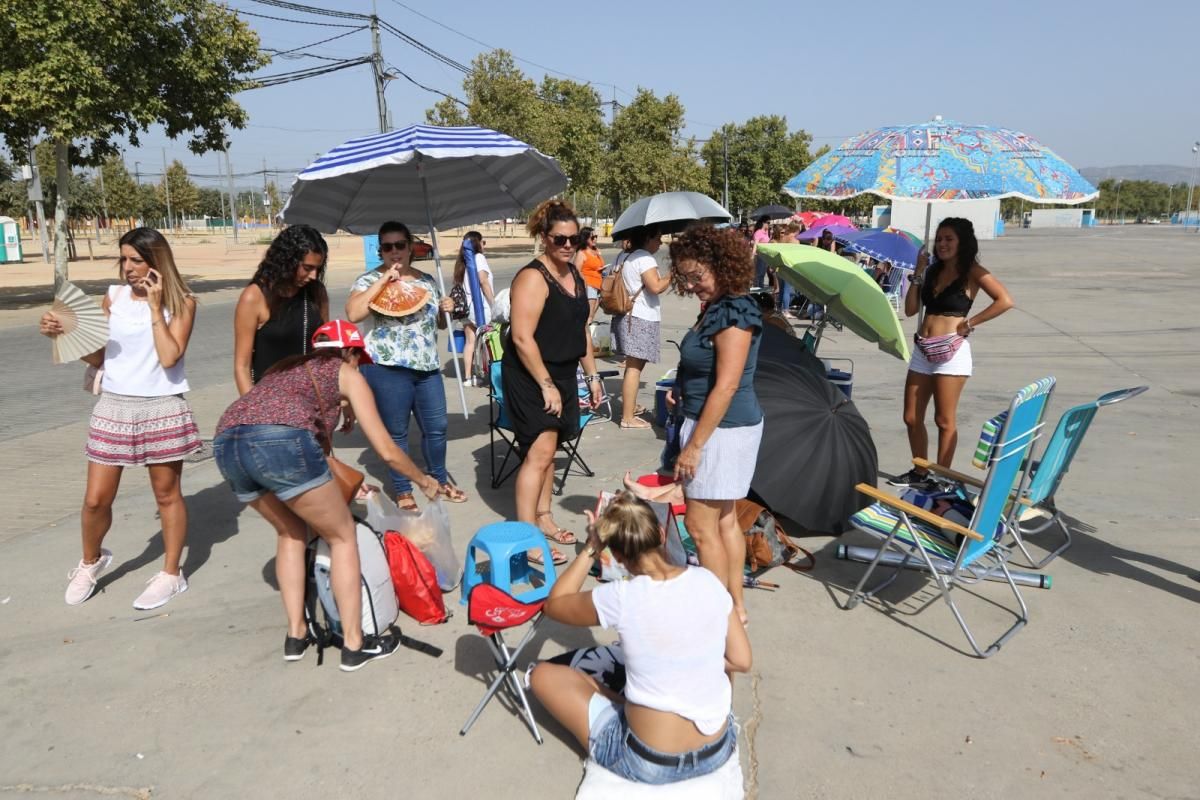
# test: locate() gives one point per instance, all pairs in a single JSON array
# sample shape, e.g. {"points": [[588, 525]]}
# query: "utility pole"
{"points": [[167, 188], [221, 195], [1191, 186], [267, 195], [35, 194], [103, 199], [377, 69], [725, 153], [232, 196]]}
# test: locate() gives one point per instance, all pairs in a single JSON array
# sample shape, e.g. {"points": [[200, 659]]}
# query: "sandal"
{"points": [[639, 424], [560, 536], [451, 493], [535, 557], [405, 502]]}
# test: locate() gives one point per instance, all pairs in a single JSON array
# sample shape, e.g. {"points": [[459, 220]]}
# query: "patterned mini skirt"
{"points": [[130, 431], [635, 337]]}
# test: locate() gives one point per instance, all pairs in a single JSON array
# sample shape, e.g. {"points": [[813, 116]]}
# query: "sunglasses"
{"points": [[561, 241], [387, 247]]}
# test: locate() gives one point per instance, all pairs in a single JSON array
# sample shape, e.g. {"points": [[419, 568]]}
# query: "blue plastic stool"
{"points": [[506, 544]]}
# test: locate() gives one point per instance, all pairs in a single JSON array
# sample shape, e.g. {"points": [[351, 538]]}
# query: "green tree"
{"points": [[211, 203], [13, 202], [501, 97], [86, 73], [120, 191], [647, 153], [762, 157], [179, 193], [573, 130], [448, 112]]}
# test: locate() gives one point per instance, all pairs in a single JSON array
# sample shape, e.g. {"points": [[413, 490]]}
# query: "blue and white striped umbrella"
{"points": [[471, 174]]}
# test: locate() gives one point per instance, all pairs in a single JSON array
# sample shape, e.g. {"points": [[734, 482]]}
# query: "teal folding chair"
{"points": [[1047, 474], [956, 555]]}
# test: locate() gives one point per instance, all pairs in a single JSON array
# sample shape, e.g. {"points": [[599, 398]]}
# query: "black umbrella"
{"points": [[774, 211], [816, 446]]}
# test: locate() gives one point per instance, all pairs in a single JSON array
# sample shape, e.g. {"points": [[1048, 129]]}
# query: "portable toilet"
{"points": [[10, 241], [371, 257]]}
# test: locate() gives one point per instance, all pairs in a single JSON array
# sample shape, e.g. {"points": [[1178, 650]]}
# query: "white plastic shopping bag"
{"points": [[429, 531]]}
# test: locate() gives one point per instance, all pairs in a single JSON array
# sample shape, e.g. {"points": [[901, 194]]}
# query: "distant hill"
{"points": [[1162, 173]]}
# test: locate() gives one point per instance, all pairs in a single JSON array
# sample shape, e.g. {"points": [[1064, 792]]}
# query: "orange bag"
{"points": [[415, 580]]}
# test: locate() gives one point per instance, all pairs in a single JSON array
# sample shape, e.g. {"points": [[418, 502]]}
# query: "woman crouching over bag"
{"points": [[681, 638], [271, 445]]}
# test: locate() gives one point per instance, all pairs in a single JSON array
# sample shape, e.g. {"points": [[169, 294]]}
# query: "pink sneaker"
{"points": [[82, 580], [159, 589]]}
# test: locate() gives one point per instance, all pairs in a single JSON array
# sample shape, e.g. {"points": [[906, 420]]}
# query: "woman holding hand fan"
{"points": [[142, 418], [407, 310]]}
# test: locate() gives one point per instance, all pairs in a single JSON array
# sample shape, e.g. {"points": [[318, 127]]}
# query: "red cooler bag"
{"points": [[415, 580]]}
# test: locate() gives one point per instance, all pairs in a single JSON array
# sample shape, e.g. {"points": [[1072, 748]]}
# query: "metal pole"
{"points": [[1191, 186], [38, 205], [1117, 213], [866, 555], [377, 70], [437, 260], [232, 196], [167, 188], [220, 194], [103, 201], [725, 154]]}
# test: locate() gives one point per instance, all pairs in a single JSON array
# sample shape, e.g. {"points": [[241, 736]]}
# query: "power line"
{"points": [[314, 44], [297, 21], [424, 48], [303, 74], [420, 85], [327, 12]]}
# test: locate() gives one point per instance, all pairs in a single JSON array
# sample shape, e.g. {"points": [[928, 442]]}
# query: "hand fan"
{"points": [[85, 328]]}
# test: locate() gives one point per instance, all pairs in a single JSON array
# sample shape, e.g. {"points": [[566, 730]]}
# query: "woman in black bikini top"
{"points": [[941, 361]]}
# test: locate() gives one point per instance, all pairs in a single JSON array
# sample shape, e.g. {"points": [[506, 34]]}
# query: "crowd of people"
{"points": [[301, 374]]}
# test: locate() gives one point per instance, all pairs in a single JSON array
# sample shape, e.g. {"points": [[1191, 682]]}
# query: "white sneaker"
{"points": [[82, 580], [161, 588]]}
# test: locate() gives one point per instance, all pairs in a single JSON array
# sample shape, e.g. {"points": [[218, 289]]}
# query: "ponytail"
{"points": [[548, 214]]}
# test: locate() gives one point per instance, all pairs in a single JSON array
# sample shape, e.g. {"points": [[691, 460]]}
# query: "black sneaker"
{"points": [[374, 647], [911, 478], [293, 648]]}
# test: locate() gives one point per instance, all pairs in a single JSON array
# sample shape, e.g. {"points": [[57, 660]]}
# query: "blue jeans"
{"points": [[401, 392], [257, 459], [785, 295], [617, 748]]}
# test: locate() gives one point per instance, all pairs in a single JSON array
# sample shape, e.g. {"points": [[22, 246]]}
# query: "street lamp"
{"points": [[1191, 186]]}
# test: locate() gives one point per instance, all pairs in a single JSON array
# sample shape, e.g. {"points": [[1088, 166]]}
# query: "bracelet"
{"points": [[590, 378], [590, 552]]}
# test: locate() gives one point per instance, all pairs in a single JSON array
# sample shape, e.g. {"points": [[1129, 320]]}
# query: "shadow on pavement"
{"points": [[17, 297]]}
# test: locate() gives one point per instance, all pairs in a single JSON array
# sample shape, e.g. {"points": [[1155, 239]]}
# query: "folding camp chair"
{"points": [[492, 611], [500, 428], [1047, 474], [957, 555]]}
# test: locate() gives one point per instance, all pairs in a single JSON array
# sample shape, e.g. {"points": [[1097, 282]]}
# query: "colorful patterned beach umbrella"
{"points": [[942, 160]]}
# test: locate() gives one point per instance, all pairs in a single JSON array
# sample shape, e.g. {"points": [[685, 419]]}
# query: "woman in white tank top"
{"points": [[142, 418]]}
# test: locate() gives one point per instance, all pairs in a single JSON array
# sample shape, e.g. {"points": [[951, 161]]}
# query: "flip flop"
{"points": [[451, 493], [637, 424], [558, 536], [535, 557]]}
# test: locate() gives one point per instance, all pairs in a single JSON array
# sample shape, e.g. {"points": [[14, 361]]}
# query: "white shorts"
{"points": [[959, 364], [727, 462]]}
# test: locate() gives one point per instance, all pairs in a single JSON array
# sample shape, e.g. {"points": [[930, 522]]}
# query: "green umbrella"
{"points": [[844, 288]]}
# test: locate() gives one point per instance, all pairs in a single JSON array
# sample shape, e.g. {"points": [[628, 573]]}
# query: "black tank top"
{"points": [[287, 333], [953, 301], [561, 332]]}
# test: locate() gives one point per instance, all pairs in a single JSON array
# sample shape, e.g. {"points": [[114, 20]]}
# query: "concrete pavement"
{"points": [[1094, 699]]}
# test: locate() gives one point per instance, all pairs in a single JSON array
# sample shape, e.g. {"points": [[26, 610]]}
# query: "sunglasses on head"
{"points": [[560, 240], [387, 247]]}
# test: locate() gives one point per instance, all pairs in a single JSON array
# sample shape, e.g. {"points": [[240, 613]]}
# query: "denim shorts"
{"points": [[615, 747], [257, 459]]}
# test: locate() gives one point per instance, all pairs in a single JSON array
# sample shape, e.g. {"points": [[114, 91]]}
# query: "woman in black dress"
{"points": [[548, 340], [285, 303]]}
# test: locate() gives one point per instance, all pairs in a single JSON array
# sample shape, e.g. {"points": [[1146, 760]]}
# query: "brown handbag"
{"points": [[347, 478], [614, 295], [767, 544]]}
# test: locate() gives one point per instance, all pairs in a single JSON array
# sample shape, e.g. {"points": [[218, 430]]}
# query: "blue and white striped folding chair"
{"points": [[954, 554], [1046, 474]]}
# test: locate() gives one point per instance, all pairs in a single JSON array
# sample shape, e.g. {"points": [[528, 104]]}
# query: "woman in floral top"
{"points": [[406, 376]]}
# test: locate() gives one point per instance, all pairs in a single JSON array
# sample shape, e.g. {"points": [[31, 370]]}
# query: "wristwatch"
{"points": [[590, 552]]}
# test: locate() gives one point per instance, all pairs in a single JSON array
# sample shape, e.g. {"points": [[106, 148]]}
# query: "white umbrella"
{"points": [[669, 212], [427, 177]]}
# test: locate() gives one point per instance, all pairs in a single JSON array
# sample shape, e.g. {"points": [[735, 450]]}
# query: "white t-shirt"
{"points": [[673, 634], [647, 306], [131, 363]]}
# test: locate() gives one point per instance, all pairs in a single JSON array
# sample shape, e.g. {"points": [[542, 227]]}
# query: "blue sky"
{"points": [[1102, 83]]}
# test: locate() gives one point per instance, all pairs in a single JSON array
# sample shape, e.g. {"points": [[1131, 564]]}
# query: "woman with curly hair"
{"points": [[281, 308], [722, 423], [548, 339]]}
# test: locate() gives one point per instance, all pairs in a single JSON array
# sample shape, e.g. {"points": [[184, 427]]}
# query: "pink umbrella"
{"points": [[807, 217], [833, 219]]}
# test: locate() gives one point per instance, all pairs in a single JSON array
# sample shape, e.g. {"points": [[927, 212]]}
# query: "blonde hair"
{"points": [[548, 214], [629, 527], [153, 247]]}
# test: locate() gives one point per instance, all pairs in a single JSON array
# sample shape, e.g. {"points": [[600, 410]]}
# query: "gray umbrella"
{"points": [[669, 212], [775, 211]]}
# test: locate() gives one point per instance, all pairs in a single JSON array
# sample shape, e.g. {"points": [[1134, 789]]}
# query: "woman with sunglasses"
{"points": [[590, 264], [548, 339], [281, 308], [406, 374]]}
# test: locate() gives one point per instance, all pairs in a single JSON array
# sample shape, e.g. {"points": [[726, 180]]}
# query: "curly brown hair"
{"points": [[723, 251]]}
